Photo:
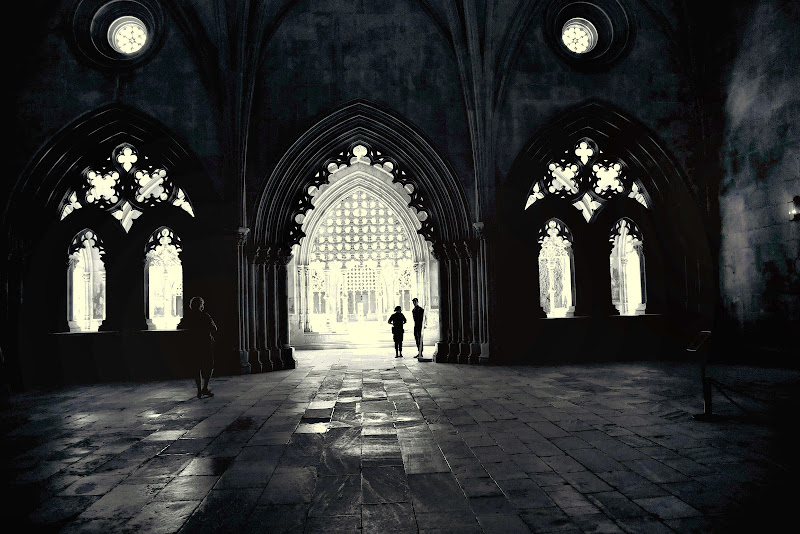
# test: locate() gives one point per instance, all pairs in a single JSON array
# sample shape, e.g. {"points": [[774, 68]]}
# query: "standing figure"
{"points": [[418, 313], [397, 320], [201, 329]]}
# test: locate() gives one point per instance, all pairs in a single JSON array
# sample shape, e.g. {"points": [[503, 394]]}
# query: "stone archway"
{"points": [[362, 254], [433, 194]]}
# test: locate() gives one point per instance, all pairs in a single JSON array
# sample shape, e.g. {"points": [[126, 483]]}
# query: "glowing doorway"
{"points": [[361, 257]]}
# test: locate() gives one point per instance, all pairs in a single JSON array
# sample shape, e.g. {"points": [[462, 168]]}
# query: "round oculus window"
{"points": [[579, 35], [127, 35]]}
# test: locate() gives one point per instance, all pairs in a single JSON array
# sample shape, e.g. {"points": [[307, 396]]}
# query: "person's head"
{"points": [[397, 308], [197, 304], [415, 301]]}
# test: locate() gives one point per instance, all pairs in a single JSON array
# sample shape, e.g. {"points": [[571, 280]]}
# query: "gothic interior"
{"points": [[555, 180]]}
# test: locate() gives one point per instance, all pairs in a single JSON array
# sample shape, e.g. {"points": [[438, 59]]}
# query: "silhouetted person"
{"points": [[201, 329], [418, 314], [397, 320]]}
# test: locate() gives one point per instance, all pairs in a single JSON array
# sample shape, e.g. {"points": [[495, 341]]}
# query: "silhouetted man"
{"points": [[418, 313], [201, 329]]}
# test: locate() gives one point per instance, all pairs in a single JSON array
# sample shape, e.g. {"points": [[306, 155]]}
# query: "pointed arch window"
{"points": [[556, 270], [587, 178], [86, 283], [125, 185], [628, 291], [163, 273]]}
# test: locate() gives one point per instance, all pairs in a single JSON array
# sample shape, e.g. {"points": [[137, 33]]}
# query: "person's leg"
{"points": [[197, 374], [206, 377]]}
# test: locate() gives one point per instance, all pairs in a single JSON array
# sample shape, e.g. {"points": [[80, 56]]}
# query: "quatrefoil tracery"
{"points": [[124, 188], [586, 178], [363, 153]]}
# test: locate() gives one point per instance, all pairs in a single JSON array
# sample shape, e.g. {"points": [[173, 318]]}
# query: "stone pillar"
{"points": [[442, 347], [483, 282], [464, 301], [254, 311], [282, 296], [453, 303], [240, 341], [260, 307], [471, 250], [72, 321], [302, 278]]}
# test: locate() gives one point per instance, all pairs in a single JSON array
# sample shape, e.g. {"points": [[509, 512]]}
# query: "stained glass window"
{"points": [[164, 280], [86, 283], [556, 268], [627, 268]]}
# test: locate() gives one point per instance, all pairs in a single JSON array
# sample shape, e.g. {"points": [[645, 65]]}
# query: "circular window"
{"points": [[127, 35], [589, 35], [579, 35], [117, 34]]}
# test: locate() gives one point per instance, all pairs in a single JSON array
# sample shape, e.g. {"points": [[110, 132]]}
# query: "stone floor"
{"points": [[353, 441]]}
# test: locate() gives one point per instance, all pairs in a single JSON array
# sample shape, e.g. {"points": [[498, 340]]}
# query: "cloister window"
{"points": [[586, 178], [163, 280], [627, 268], [556, 270], [86, 283], [125, 185]]}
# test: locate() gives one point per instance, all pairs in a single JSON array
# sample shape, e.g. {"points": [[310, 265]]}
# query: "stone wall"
{"points": [[760, 246]]}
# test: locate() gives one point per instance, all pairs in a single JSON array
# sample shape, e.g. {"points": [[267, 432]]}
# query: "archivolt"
{"points": [[285, 194]]}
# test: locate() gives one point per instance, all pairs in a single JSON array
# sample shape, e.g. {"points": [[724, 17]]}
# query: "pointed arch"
{"points": [[665, 204], [284, 194], [43, 185]]}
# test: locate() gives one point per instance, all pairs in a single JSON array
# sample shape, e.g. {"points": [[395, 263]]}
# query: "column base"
{"points": [[287, 358], [474, 353], [484, 356], [244, 363], [255, 362], [452, 352], [440, 354], [463, 352], [275, 358]]}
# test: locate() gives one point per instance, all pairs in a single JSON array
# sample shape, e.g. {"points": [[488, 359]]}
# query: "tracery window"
{"points": [[125, 185], [86, 283], [163, 280], [556, 270], [587, 178], [363, 228], [628, 292]]}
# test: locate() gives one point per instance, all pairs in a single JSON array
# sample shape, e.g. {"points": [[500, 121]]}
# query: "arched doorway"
{"points": [[362, 256], [360, 147]]}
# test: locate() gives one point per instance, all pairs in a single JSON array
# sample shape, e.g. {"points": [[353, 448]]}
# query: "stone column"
{"points": [[454, 302], [255, 305], [471, 249], [483, 282], [442, 347], [240, 341], [286, 351], [464, 301], [302, 277]]}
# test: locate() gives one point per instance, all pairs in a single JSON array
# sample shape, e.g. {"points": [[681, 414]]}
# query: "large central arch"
{"points": [[432, 192], [325, 310]]}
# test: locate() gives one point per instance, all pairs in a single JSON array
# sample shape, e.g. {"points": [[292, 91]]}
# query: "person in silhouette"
{"points": [[397, 320], [418, 314], [202, 329]]}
